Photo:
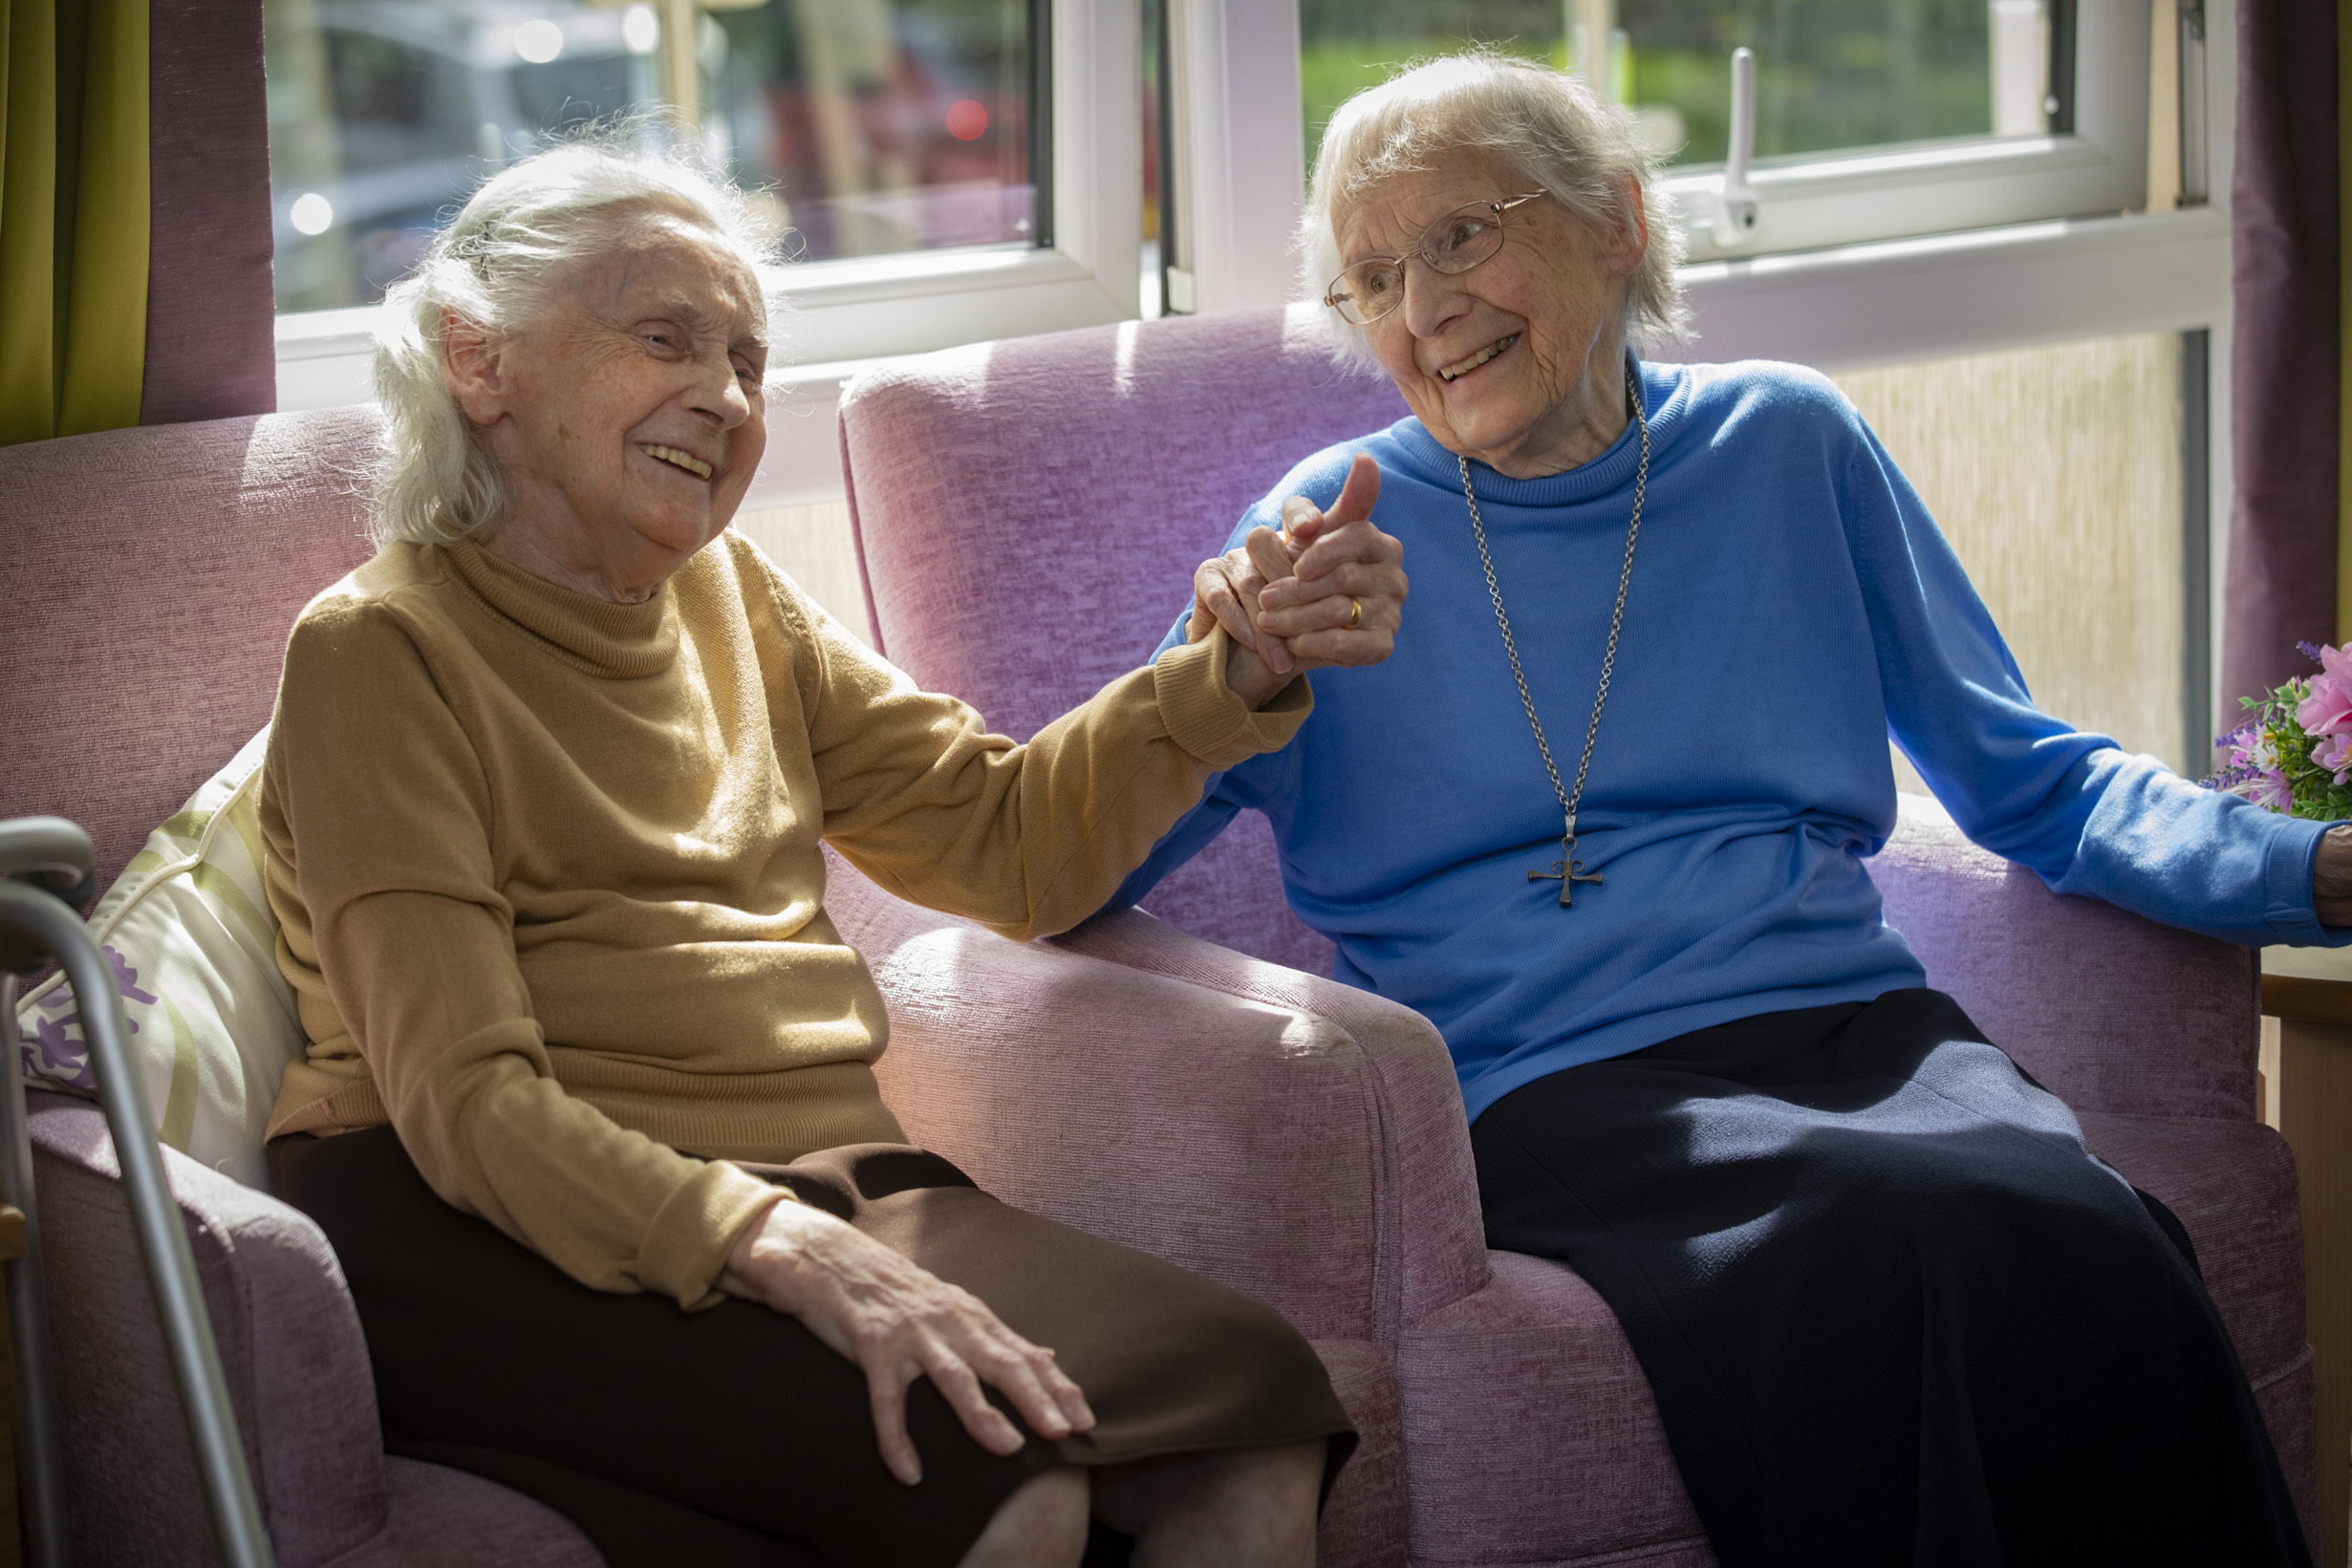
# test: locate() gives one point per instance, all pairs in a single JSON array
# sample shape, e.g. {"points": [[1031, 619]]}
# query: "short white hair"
{"points": [[1550, 131], [436, 480]]}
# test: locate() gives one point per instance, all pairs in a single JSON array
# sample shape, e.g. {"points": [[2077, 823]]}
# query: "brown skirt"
{"points": [[733, 1435]]}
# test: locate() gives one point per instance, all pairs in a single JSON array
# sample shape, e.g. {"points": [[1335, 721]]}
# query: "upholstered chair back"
{"points": [[1029, 513], [148, 578]]}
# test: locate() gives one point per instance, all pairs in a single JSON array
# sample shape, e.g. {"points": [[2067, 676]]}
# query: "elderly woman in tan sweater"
{"points": [[543, 805]]}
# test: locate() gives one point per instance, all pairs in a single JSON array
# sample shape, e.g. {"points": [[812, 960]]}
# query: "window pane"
{"points": [[876, 125], [883, 126], [2056, 475], [1830, 73], [383, 113]]}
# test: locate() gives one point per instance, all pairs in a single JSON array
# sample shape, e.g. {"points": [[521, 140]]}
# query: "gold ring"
{"points": [[1355, 614]]}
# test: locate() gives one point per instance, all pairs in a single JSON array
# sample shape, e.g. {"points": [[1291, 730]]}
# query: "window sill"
{"points": [[837, 310], [1810, 204]]}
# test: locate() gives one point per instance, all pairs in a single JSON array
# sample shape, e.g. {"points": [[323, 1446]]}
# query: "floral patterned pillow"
{"points": [[187, 929]]}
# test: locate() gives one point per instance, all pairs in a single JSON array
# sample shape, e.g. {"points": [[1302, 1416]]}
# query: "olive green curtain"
{"points": [[73, 190]]}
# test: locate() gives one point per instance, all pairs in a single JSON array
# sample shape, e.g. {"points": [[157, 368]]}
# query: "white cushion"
{"points": [[189, 930]]}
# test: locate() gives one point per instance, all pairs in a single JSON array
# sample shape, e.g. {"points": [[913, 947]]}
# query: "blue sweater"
{"points": [[1792, 605]]}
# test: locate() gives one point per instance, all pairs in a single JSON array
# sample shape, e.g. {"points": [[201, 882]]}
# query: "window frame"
{"points": [[873, 306], [1813, 201]]}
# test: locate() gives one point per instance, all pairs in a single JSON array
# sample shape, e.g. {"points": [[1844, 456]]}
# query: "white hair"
{"points": [[497, 265], [1549, 130]]}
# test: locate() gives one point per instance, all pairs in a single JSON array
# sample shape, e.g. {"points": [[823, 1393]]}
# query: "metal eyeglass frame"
{"points": [[1421, 247]]}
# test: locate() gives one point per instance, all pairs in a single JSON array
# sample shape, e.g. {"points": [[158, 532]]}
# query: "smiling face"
{"points": [[1517, 362], [627, 415]]}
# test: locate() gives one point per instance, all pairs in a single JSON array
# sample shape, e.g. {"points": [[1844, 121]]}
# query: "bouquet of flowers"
{"points": [[2293, 755]]}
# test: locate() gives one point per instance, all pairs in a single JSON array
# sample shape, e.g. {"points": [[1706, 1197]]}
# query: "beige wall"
{"points": [[2055, 473], [813, 546]]}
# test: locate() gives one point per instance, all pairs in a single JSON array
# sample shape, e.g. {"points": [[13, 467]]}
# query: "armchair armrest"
{"points": [[1292, 1138], [291, 1347], [2110, 1011]]}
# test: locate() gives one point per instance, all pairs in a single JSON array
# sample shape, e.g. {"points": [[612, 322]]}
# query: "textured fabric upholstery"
{"points": [[1072, 484], [2109, 1011], [298, 1372], [290, 1345], [1289, 1136], [1016, 506], [441, 1516], [150, 578]]}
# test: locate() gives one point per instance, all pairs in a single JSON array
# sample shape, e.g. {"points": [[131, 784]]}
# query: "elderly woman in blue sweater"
{"points": [[1608, 827]]}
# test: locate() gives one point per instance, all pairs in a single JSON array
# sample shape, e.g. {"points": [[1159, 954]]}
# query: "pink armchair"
{"points": [[1028, 515], [150, 578]]}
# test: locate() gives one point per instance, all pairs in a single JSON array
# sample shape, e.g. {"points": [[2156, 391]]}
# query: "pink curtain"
{"points": [[2286, 281]]}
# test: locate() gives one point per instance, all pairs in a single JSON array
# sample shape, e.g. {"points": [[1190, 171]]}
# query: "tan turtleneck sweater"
{"points": [[551, 894]]}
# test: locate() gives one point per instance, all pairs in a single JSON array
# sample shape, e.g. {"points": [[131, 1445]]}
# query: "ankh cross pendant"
{"points": [[1568, 870]]}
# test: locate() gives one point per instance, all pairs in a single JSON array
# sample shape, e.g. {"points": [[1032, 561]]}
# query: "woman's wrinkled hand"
{"points": [[900, 1322], [1287, 599], [2331, 878]]}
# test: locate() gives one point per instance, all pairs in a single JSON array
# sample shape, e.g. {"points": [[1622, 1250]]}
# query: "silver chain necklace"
{"points": [[1568, 869]]}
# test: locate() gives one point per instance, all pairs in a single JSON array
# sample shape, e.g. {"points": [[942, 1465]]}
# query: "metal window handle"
{"points": [[1736, 207], [40, 853]]}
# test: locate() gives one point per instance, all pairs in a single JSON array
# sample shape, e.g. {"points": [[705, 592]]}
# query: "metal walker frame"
{"points": [[47, 875]]}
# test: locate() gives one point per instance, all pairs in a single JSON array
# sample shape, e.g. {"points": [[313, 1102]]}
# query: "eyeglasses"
{"points": [[1453, 245]]}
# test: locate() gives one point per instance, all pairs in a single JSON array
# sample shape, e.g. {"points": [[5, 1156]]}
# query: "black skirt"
{"points": [[733, 1437], [1893, 1310]]}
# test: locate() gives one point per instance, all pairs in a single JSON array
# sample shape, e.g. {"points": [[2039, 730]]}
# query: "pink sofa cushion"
{"points": [[150, 578], [1030, 514]]}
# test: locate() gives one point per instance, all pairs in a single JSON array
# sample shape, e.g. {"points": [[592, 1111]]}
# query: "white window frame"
{"points": [[868, 308], [1813, 201]]}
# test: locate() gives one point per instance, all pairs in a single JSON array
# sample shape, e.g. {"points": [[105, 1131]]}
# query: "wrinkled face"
{"points": [[1503, 362], [631, 413]]}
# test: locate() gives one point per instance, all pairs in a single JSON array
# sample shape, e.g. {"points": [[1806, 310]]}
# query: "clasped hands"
{"points": [[1327, 589]]}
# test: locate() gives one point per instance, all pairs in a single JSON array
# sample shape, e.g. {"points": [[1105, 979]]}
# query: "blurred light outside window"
{"points": [[1832, 76], [875, 127]]}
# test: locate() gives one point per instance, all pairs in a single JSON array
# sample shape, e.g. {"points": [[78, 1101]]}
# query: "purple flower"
{"points": [[126, 979], [2336, 755], [2269, 791], [49, 1054], [2312, 650]]}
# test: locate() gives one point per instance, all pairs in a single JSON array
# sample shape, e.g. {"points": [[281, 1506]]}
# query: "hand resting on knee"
{"points": [[900, 1322]]}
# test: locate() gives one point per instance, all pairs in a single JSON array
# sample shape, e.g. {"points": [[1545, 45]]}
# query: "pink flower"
{"points": [[2327, 707], [2336, 754], [2269, 791]]}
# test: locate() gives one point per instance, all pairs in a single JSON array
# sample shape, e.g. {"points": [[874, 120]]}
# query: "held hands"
{"points": [[1287, 599], [899, 1323]]}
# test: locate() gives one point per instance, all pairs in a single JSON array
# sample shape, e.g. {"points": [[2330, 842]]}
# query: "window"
{"points": [[383, 113], [906, 144], [1830, 76], [873, 126], [1871, 118], [882, 125]]}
